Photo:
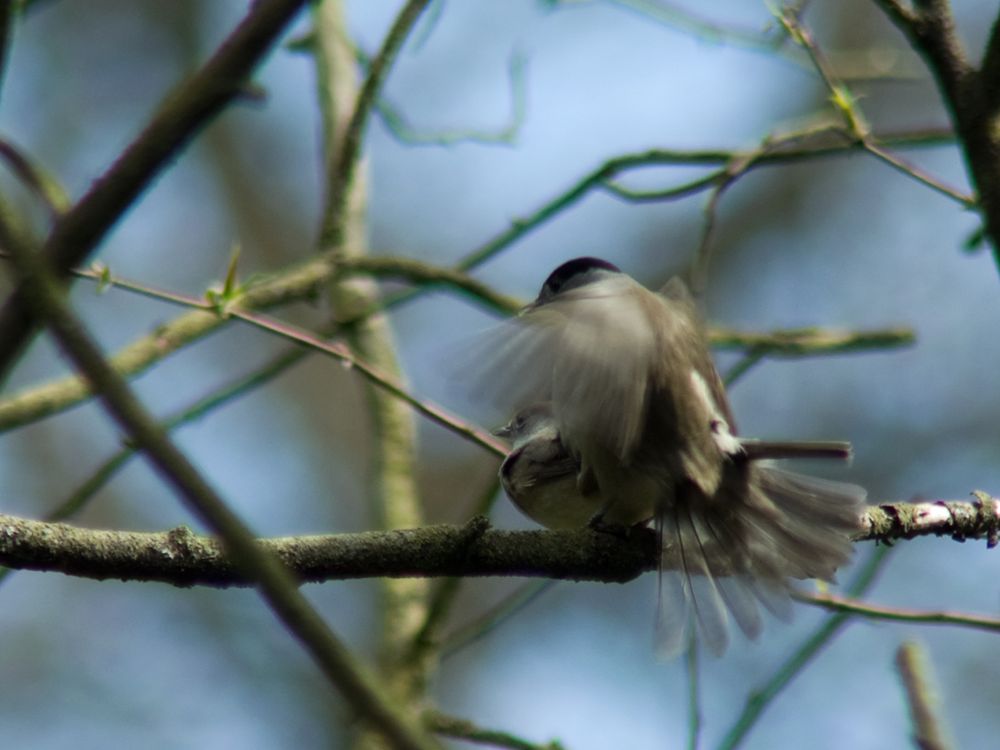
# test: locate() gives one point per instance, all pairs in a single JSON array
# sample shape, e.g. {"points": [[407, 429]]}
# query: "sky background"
{"points": [[844, 242]]}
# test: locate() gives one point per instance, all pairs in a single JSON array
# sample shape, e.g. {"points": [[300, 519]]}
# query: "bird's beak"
{"points": [[503, 432]]}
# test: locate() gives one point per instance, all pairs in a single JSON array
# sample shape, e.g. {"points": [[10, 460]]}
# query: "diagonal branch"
{"points": [[181, 116], [275, 583]]}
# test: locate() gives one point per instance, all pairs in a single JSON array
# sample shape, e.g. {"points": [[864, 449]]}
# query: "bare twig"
{"points": [[302, 281], [845, 103], [914, 672], [6, 32], [49, 398], [403, 131], [693, 670], [803, 342], [462, 729], [345, 158], [803, 149], [180, 117], [36, 179], [897, 614], [972, 96], [381, 380]]}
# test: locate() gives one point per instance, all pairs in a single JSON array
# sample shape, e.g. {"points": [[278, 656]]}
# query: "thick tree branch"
{"points": [[180, 117], [182, 558]]}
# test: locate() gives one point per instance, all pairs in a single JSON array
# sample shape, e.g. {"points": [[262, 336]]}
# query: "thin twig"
{"points": [[599, 177], [376, 377], [898, 614], [344, 161], [845, 103], [36, 179], [40, 401], [404, 132], [179, 119], [462, 729], [486, 622], [802, 342]]}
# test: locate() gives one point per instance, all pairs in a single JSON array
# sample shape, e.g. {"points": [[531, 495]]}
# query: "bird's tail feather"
{"points": [[725, 557]]}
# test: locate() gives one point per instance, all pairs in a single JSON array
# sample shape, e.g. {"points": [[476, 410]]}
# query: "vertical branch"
{"points": [[914, 671], [181, 116], [394, 494]]}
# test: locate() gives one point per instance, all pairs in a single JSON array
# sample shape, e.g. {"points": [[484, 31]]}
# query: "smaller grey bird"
{"points": [[540, 476]]}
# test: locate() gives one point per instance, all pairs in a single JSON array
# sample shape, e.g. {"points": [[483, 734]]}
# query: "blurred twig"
{"points": [[699, 26], [462, 729], [406, 133], [762, 697], [36, 179], [429, 276], [486, 622], [180, 117], [795, 148], [301, 282], [39, 401], [898, 614], [802, 342], [845, 103], [394, 494], [971, 95], [914, 672], [7, 12]]}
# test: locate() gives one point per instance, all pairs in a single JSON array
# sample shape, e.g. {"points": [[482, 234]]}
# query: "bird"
{"points": [[621, 419]]}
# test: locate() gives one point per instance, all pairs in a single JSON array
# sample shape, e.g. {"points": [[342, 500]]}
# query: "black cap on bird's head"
{"points": [[572, 274]]}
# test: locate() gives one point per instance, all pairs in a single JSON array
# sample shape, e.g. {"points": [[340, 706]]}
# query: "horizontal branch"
{"points": [[203, 318], [835, 603], [797, 342], [183, 558]]}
